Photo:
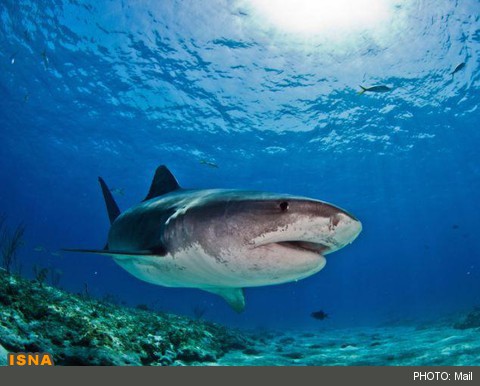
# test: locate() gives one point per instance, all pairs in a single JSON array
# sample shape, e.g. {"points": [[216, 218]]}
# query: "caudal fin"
{"points": [[363, 90], [112, 207]]}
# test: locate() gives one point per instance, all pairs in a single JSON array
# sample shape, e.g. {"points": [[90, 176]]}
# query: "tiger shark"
{"points": [[220, 240]]}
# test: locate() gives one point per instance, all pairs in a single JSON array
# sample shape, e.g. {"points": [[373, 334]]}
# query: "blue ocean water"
{"points": [[116, 88]]}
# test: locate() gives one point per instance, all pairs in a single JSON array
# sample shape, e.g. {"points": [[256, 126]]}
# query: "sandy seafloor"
{"points": [[387, 346]]}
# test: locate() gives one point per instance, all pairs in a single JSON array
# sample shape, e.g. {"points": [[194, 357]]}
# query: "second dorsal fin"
{"points": [[163, 182]]}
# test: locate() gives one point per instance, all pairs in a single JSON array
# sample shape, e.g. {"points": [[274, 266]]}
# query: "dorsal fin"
{"points": [[163, 182], [112, 207]]}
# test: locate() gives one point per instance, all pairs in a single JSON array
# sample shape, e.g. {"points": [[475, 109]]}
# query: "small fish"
{"points": [[40, 248], [455, 226], [45, 57], [381, 88], [119, 191], [56, 254], [26, 97], [12, 57], [319, 315], [460, 67], [208, 163]]}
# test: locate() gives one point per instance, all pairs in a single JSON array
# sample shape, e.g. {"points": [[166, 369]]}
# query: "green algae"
{"points": [[79, 331]]}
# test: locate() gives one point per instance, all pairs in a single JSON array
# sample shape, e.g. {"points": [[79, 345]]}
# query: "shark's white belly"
{"points": [[194, 268]]}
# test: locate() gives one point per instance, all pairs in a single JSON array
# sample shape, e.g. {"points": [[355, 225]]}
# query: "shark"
{"points": [[222, 240]]}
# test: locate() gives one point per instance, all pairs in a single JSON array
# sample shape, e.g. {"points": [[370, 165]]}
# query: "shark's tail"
{"points": [[112, 207], [363, 90]]}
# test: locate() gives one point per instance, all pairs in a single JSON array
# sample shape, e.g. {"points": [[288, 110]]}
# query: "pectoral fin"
{"points": [[155, 251], [233, 296]]}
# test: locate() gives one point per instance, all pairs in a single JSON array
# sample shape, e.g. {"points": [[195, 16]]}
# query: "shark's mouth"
{"points": [[304, 246]]}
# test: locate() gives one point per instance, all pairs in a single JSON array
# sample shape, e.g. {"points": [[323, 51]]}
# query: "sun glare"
{"points": [[324, 16]]}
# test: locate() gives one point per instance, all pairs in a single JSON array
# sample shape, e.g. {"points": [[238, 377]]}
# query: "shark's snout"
{"points": [[311, 226], [344, 229]]}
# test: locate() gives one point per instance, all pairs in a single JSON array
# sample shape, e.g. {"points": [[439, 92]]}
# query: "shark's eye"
{"points": [[284, 206]]}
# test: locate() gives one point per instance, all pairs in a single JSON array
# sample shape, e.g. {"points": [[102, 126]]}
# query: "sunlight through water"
{"points": [[315, 17]]}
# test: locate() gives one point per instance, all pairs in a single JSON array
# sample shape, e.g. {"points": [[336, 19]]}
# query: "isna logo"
{"points": [[29, 359]]}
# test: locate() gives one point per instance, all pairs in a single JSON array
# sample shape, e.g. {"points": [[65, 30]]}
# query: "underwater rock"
{"points": [[472, 320], [81, 331], [308, 335], [294, 355], [3, 356], [189, 355], [252, 351], [287, 340]]}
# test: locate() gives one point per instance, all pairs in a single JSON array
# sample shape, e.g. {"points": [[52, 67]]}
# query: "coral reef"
{"points": [[10, 243], [78, 331]]}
